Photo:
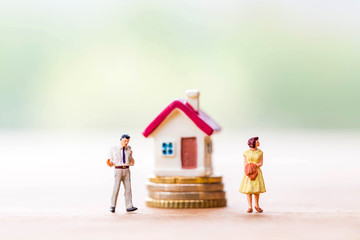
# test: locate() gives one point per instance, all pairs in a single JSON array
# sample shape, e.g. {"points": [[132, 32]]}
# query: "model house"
{"points": [[182, 138]]}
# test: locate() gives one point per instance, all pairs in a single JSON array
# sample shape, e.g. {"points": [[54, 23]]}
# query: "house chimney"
{"points": [[192, 98]]}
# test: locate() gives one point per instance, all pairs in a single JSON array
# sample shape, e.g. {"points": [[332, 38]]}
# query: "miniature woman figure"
{"points": [[256, 186]]}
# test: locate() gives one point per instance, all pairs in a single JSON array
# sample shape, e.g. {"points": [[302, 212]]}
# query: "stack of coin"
{"points": [[185, 192]]}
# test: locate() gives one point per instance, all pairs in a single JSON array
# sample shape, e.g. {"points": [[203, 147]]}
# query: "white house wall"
{"points": [[208, 158], [176, 126]]}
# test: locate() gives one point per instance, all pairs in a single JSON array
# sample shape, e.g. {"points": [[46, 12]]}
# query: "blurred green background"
{"points": [[104, 64]]}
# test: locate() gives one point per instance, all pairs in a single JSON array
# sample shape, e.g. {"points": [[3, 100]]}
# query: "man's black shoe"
{"points": [[112, 209], [131, 209]]}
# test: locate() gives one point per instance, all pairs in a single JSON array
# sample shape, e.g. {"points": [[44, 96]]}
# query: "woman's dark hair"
{"points": [[252, 142], [125, 136]]}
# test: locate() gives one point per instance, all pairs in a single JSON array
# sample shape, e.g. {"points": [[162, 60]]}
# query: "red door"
{"points": [[188, 153]]}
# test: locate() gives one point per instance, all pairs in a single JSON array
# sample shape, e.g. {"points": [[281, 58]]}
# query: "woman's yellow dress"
{"points": [[257, 185]]}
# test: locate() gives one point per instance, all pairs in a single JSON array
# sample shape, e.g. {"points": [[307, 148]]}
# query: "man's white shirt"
{"points": [[116, 155]]}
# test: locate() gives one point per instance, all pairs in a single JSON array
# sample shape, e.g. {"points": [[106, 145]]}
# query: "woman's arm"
{"points": [[260, 162], [245, 161]]}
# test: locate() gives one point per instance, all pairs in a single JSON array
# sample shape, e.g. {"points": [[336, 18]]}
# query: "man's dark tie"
{"points": [[123, 154]]}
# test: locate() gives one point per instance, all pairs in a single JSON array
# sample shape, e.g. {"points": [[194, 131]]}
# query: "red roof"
{"points": [[200, 119]]}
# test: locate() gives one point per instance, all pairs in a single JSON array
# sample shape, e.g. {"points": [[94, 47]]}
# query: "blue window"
{"points": [[168, 149]]}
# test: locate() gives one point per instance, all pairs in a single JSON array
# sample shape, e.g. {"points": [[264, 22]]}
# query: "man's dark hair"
{"points": [[125, 136]]}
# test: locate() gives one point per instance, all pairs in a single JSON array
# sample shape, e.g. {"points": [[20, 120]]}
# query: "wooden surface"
{"points": [[57, 185]]}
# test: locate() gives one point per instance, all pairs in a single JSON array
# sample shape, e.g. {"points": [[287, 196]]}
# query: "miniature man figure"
{"points": [[120, 156]]}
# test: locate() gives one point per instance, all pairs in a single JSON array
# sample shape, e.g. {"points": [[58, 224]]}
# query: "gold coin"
{"points": [[210, 203], [185, 180], [187, 195], [200, 187]]}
